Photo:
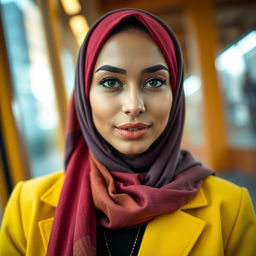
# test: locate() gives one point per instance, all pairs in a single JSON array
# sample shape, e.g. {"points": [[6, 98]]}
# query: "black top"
{"points": [[120, 242]]}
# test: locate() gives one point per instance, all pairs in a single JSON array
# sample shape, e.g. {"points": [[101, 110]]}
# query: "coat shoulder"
{"points": [[219, 185], [31, 202], [220, 188], [226, 196]]}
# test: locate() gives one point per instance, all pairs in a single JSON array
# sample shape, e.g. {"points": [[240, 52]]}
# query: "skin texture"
{"points": [[130, 95]]}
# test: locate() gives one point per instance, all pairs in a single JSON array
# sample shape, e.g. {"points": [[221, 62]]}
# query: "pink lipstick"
{"points": [[132, 130]]}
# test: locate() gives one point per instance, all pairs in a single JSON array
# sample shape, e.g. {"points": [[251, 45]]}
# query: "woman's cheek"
{"points": [[103, 108], [161, 105]]}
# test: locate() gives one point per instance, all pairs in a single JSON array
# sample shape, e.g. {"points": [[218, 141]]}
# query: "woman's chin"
{"points": [[131, 152]]}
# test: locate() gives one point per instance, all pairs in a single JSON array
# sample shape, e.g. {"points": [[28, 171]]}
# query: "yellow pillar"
{"points": [[49, 11], [12, 142], [202, 40]]}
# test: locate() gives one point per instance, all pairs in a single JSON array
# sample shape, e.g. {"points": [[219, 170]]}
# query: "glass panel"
{"points": [[72, 32], [236, 66], [72, 28], [193, 124], [34, 100], [68, 70]]}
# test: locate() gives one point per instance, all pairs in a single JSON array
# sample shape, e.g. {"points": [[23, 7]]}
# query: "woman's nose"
{"points": [[133, 104]]}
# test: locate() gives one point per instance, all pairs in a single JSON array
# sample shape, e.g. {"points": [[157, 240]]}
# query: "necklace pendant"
{"points": [[133, 245]]}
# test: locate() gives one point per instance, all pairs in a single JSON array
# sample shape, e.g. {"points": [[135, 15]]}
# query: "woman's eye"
{"points": [[155, 83], [110, 83]]}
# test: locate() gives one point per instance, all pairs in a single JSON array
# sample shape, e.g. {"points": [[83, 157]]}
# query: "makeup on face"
{"points": [[130, 94], [113, 69], [113, 77], [132, 130]]}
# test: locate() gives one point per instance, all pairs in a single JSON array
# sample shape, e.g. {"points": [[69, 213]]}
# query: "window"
{"points": [[34, 102]]}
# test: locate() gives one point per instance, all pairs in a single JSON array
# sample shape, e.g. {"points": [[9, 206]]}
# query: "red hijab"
{"points": [[101, 188]]}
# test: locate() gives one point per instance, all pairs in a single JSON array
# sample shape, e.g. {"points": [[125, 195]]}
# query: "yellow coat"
{"points": [[218, 221]]}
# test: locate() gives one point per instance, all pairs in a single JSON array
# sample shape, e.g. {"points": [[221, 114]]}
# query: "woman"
{"points": [[128, 189]]}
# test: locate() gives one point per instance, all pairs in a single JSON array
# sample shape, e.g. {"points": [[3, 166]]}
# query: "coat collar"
{"points": [[199, 200], [51, 196], [179, 230]]}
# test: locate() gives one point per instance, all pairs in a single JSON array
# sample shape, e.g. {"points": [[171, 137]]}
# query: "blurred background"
{"points": [[39, 42]]}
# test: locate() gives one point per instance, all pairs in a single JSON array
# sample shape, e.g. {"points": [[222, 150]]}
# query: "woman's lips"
{"points": [[132, 130]]}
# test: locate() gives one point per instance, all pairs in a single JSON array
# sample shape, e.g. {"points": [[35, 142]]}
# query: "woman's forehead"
{"points": [[130, 49]]}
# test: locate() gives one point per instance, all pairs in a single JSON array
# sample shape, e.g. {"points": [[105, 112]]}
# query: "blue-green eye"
{"points": [[155, 83], [110, 83]]}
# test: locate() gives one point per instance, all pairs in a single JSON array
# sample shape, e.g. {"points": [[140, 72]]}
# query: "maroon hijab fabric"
{"points": [[162, 166]]}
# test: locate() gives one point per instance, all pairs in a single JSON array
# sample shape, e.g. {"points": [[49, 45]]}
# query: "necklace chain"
{"points": [[133, 246]]}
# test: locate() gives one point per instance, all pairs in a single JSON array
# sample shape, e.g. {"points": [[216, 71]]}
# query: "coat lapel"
{"points": [[174, 234], [45, 227], [51, 197]]}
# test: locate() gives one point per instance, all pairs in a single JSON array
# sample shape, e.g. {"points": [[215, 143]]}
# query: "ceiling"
{"points": [[233, 17]]}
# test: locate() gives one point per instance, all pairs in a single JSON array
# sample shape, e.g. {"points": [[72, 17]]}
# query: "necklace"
{"points": [[133, 246]]}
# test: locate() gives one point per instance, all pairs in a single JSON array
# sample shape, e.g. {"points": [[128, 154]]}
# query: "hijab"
{"points": [[103, 188]]}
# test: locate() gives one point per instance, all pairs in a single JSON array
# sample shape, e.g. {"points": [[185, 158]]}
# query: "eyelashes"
{"points": [[155, 82], [110, 83], [114, 83]]}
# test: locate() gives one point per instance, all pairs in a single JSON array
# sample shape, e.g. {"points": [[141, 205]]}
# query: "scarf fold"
{"points": [[124, 201], [101, 188]]}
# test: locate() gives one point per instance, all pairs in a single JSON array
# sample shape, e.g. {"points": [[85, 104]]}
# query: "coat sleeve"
{"points": [[12, 238], [242, 240]]}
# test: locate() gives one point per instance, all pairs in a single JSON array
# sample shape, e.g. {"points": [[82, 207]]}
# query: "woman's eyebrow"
{"points": [[111, 69], [154, 69], [114, 69]]}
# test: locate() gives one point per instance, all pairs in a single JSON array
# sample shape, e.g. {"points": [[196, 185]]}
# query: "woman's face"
{"points": [[130, 94]]}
